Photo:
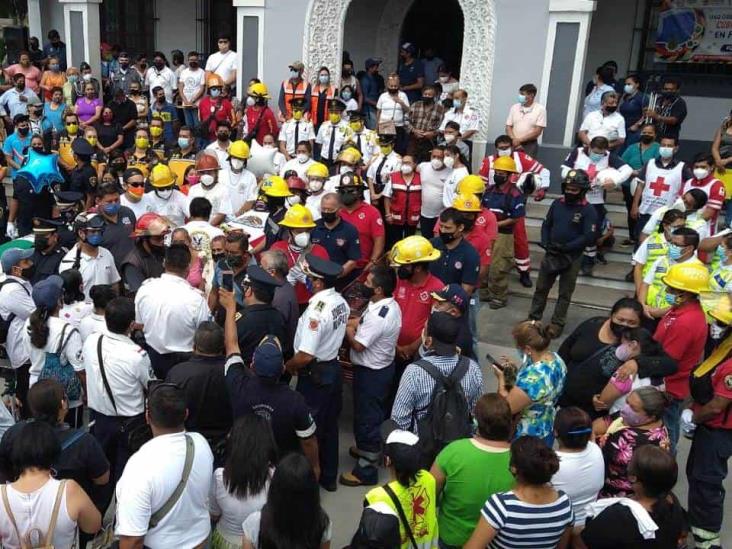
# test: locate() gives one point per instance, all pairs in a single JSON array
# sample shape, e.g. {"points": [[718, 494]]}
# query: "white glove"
{"points": [[11, 231], [296, 275], [687, 425]]}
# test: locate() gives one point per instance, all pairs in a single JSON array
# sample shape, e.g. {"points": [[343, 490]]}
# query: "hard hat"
{"points": [[151, 224], [213, 80], [505, 164], [577, 178], [207, 162], [298, 217], [723, 309], [275, 186], [317, 169], [466, 203], [258, 90], [161, 176], [349, 155], [294, 182], [88, 220], [240, 150], [413, 249], [689, 277], [350, 179], [470, 184]]}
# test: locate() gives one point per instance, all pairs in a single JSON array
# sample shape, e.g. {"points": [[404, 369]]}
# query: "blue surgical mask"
{"points": [[94, 239], [215, 92], [111, 209], [457, 103], [183, 142], [666, 152], [675, 252], [346, 95], [670, 299], [323, 79], [628, 88], [522, 356], [596, 157], [522, 99]]}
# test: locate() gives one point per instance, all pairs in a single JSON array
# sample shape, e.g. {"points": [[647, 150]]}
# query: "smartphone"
{"points": [[227, 281], [494, 361]]}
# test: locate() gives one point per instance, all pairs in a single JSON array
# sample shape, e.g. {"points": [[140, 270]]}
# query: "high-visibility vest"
{"points": [[657, 247], [657, 290], [290, 92], [330, 93]]}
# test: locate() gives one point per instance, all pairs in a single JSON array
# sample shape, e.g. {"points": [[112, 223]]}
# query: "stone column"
{"points": [[81, 21], [35, 26]]}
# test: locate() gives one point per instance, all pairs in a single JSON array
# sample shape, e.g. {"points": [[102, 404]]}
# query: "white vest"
{"points": [[596, 194], [662, 186]]}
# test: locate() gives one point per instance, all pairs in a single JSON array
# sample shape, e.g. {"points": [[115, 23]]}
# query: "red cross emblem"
{"points": [[659, 186]]}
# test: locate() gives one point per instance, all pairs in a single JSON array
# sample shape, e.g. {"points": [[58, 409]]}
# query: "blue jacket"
{"points": [[570, 228]]}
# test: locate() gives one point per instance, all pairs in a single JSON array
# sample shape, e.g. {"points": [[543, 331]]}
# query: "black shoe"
{"points": [[586, 270], [525, 279], [630, 276], [601, 259], [329, 486], [496, 304]]}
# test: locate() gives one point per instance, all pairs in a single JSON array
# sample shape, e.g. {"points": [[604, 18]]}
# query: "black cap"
{"points": [[356, 115], [443, 328], [321, 268], [386, 139], [68, 198], [256, 276], [297, 102], [336, 105], [82, 147], [45, 226]]}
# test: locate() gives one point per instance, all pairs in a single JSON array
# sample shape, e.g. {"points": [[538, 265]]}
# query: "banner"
{"points": [[694, 31]]}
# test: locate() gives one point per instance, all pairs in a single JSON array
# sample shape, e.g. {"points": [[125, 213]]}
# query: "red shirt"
{"points": [[722, 385], [369, 225], [416, 305], [485, 222], [682, 332], [482, 245], [268, 124], [301, 291], [207, 107]]}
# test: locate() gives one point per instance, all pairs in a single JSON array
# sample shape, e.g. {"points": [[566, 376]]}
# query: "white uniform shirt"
{"points": [[378, 331], [242, 188], [174, 208], [74, 313], [433, 182], [222, 153], [139, 208], [468, 119], [391, 110], [164, 78], [322, 325], [91, 324], [369, 144], [94, 270], [222, 63], [150, 477], [202, 233], [218, 196], [71, 353], [16, 299], [127, 367], [193, 83], [383, 166], [312, 203], [305, 132], [171, 310], [611, 126], [450, 186], [327, 129], [299, 167]]}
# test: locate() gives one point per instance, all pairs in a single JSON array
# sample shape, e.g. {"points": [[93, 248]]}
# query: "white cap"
{"points": [[399, 436]]}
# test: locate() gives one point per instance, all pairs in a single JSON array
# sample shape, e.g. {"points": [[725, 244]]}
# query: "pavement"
{"points": [[344, 506]]}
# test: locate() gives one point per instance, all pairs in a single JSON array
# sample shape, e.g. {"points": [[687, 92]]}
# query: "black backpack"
{"points": [[448, 416], [5, 322]]}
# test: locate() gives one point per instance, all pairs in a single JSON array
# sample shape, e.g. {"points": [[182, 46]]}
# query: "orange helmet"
{"points": [[207, 162], [213, 80], [151, 224]]}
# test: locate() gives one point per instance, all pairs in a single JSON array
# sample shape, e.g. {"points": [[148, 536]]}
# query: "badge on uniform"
{"points": [[577, 217], [313, 325], [237, 316], [728, 382], [319, 306]]}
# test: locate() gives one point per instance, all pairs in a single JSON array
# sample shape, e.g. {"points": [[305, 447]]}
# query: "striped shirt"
{"points": [[416, 386], [521, 524]]}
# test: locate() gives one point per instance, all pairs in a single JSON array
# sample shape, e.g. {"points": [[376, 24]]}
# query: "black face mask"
{"points": [[41, 242], [669, 94], [617, 329], [156, 250], [393, 91], [329, 217], [39, 149], [23, 131], [159, 65], [234, 261], [428, 100], [193, 64], [611, 109], [500, 179], [218, 256], [447, 237], [405, 272], [124, 64], [222, 136], [347, 72], [468, 223], [646, 139], [28, 272], [572, 198], [349, 198], [367, 292], [274, 203]]}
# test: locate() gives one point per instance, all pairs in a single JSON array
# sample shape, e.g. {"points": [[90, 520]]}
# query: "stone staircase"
{"points": [[607, 284]]}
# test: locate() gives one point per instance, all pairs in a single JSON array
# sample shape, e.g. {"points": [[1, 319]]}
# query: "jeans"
{"points": [[370, 113], [162, 363], [672, 421]]}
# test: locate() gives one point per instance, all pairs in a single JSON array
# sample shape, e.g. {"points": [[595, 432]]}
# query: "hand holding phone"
{"points": [[227, 281]]}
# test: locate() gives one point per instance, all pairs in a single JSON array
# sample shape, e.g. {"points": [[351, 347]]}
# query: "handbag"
{"points": [[26, 541]]}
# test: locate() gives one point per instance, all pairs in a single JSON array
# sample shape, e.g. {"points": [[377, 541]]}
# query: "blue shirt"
{"points": [[637, 159], [370, 88], [168, 113], [408, 75], [53, 120], [510, 204], [16, 147], [460, 265], [631, 107], [56, 51], [11, 102], [341, 242]]}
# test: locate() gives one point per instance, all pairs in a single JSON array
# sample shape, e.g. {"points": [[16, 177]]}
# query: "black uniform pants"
{"points": [[162, 363], [112, 437], [706, 470], [544, 283]]}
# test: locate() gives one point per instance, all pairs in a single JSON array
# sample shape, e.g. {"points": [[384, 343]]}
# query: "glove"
{"points": [[296, 275], [687, 425], [11, 231]]}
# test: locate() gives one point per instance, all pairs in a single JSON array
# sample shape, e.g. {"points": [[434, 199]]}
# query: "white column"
{"points": [[248, 8], [35, 23], [83, 40]]}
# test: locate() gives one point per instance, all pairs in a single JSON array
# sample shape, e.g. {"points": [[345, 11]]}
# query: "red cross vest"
{"points": [[406, 200], [662, 187]]}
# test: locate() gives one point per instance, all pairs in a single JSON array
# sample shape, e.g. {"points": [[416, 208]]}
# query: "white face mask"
{"points": [[292, 200], [207, 179], [250, 101], [237, 164], [701, 173], [449, 138], [449, 161], [165, 194], [268, 146], [407, 169], [302, 158], [315, 186], [444, 79], [301, 240], [345, 169], [436, 163], [504, 152]]}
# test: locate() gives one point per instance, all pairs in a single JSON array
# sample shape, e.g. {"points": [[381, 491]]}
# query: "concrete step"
{"points": [[618, 253], [611, 275], [617, 214]]}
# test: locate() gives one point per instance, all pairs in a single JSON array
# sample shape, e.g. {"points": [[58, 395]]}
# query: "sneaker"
{"points": [[496, 304], [630, 276], [628, 242], [525, 279], [554, 330], [349, 479]]}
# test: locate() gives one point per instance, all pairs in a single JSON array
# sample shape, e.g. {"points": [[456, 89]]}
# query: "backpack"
{"points": [[448, 415], [54, 368], [5, 323]]}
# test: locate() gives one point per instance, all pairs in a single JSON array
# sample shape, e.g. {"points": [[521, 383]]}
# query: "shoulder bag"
{"points": [[26, 541]]}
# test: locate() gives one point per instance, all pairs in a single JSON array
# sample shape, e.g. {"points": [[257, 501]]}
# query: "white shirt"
{"points": [[341, 130], [150, 477], [611, 126], [300, 167], [378, 331], [222, 63], [127, 367], [580, 476], [448, 190], [232, 510], [70, 354], [174, 208], [202, 233], [369, 144], [433, 182], [312, 203], [74, 313], [383, 167], [193, 83], [164, 78], [305, 132], [390, 109], [468, 119], [242, 188], [222, 153], [94, 270], [139, 208], [91, 324], [16, 299], [322, 325], [170, 310], [218, 196]]}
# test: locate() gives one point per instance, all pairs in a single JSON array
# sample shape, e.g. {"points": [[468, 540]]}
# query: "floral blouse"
{"points": [[618, 445], [542, 382]]}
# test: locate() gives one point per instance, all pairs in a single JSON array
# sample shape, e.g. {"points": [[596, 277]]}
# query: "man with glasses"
{"points": [[224, 61]]}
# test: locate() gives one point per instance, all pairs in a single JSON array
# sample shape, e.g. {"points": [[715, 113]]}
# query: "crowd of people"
{"points": [[184, 299]]}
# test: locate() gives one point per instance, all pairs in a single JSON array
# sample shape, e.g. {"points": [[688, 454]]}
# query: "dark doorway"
{"points": [[129, 23], [221, 18], [439, 24]]}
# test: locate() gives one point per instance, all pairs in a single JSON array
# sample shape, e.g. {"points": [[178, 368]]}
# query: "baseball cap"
{"points": [[453, 293], [267, 360], [48, 291], [408, 46], [297, 65], [400, 436], [13, 256], [373, 61]]}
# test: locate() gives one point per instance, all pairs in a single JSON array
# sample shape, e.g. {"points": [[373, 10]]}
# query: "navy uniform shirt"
{"points": [[30, 204], [510, 204], [460, 265], [254, 322], [570, 227], [116, 236], [83, 179], [341, 242], [47, 264]]}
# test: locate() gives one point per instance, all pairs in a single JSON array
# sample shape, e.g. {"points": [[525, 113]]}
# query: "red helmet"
{"points": [[207, 162], [294, 183], [151, 224]]}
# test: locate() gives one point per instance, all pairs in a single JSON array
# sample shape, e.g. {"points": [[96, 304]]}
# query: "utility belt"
{"points": [[322, 372]]}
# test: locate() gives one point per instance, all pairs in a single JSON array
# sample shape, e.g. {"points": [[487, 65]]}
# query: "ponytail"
{"points": [[531, 333], [38, 328]]}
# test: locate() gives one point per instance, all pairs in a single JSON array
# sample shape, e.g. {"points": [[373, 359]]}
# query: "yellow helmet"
{"points": [[505, 164], [317, 169], [466, 203], [298, 217], [275, 186], [413, 249], [161, 176], [349, 155], [470, 184], [689, 277], [258, 90], [723, 309], [239, 149]]}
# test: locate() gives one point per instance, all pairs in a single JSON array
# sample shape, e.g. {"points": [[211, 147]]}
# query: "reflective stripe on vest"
{"points": [[657, 247], [657, 290]]}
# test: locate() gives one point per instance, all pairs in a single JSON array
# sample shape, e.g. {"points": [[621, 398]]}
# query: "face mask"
{"points": [[183, 142], [215, 92], [193, 64], [666, 152], [393, 91], [156, 131], [407, 169], [193, 179], [237, 164], [522, 356], [28, 272], [142, 143], [87, 77], [669, 94], [315, 185], [349, 198], [39, 149], [405, 272], [250, 101], [73, 78], [329, 217], [449, 138], [628, 88], [447, 237], [111, 209], [499, 179], [345, 169], [428, 100], [386, 151], [41, 242], [207, 179], [297, 115], [234, 261], [92, 141], [222, 136], [449, 161], [290, 201], [457, 103], [218, 256], [522, 99], [617, 329], [436, 164], [346, 95], [274, 203], [54, 67], [504, 152], [646, 139], [701, 173], [71, 129], [165, 194], [611, 109], [631, 417], [334, 118], [94, 240], [675, 252], [301, 240], [159, 65], [324, 79], [596, 157], [302, 157], [624, 353], [716, 331], [670, 299], [294, 74], [137, 192], [356, 126], [269, 146], [23, 131], [444, 79], [571, 198]]}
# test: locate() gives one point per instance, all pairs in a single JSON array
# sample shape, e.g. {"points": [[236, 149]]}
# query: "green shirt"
{"points": [[473, 475]]}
